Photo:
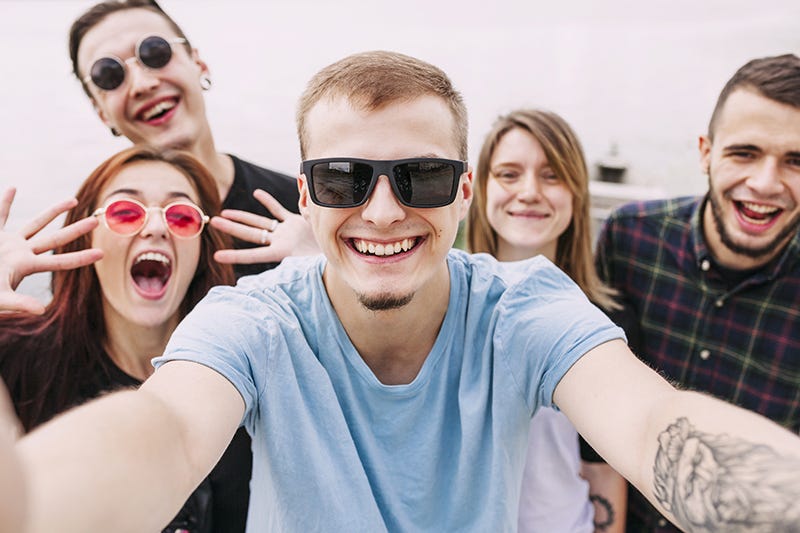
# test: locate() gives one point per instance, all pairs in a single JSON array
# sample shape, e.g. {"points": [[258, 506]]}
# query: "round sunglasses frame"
{"points": [[102, 211], [136, 57]]}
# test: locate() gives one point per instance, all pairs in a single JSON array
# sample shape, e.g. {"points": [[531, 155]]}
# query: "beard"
{"points": [[385, 301], [766, 251]]}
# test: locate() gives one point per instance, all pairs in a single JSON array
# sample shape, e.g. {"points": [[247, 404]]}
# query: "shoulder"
{"points": [[654, 210], [483, 274], [250, 171]]}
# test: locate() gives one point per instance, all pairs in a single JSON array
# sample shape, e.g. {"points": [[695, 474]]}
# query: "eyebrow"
{"points": [[135, 192], [737, 147]]}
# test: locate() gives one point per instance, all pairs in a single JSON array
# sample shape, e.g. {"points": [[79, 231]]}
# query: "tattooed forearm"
{"points": [[722, 483]]}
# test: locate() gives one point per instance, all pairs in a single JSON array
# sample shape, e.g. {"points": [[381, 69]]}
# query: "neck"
{"points": [[131, 347], [506, 252], [395, 343], [218, 164]]}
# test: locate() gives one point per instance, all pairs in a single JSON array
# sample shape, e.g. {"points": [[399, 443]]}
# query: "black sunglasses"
{"points": [[417, 182], [152, 51]]}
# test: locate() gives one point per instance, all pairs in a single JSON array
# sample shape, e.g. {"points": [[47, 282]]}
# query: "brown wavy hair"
{"points": [[565, 157], [50, 361]]}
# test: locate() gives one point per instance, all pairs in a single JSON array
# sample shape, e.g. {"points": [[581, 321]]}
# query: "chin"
{"points": [[385, 301]]}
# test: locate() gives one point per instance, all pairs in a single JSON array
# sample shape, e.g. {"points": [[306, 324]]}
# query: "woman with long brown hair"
{"points": [[531, 197], [152, 255]]}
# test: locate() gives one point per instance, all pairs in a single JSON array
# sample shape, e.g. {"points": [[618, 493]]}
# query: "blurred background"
{"points": [[637, 80]]}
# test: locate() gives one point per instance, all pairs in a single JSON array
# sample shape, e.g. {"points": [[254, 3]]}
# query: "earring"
{"points": [[205, 83], [114, 132]]}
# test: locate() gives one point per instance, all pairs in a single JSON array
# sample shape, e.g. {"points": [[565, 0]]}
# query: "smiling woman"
{"points": [[107, 320]]}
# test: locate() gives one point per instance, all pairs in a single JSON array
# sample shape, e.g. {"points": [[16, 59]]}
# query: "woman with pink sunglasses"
{"points": [[134, 256]]}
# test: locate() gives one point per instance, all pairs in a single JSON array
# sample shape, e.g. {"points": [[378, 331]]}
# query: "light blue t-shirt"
{"points": [[336, 450]]}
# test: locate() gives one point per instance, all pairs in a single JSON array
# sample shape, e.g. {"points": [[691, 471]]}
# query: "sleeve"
{"points": [[229, 332], [545, 325]]}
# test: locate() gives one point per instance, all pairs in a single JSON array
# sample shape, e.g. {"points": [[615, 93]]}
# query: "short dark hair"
{"points": [[97, 13], [776, 78]]}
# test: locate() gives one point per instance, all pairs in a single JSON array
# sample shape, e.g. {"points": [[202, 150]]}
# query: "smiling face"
{"points": [[753, 165], [527, 205], [144, 277], [421, 238], [163, 107]]}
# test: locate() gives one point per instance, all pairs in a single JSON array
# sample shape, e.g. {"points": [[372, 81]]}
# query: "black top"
{"points": [[248, 177]]}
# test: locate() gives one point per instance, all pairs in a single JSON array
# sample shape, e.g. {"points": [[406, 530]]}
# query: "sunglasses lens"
{"points": [[107, 73], [184, 220], [340, 183], [155, 52], [125, 217], [426, 183]]}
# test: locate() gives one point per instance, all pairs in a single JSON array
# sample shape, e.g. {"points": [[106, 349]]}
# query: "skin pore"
{"points": [[359, 284], [144, 277], [753, 165]]}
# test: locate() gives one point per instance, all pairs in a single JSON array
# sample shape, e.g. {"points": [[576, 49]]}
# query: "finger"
{"points": [[34, 226], [248, 256], [257, 235], [5, 205], [11, 301], [247, 218], [63, 236], [67, 261], [272, 205]]}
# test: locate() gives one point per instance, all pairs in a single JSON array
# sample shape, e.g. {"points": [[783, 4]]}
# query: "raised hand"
{"points": [[24, 253], [288, 234]]}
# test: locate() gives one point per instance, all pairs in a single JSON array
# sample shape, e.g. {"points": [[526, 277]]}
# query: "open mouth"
{"points": [[158, 111], [757, 214], [383, 249], [151, 272]]}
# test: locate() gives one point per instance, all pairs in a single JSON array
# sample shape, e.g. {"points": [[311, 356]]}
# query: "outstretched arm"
{"points": [[706, 464], [24, 253], [12, 487], [287, 235], [129, 460]]}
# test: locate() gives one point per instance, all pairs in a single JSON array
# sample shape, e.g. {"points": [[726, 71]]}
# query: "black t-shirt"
{"points": [[248, 177]]}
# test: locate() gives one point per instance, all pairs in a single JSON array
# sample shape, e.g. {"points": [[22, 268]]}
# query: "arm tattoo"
{"points": [[722, 483], [603, 512]]}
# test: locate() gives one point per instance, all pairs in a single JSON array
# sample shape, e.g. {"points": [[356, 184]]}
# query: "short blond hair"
{"points": [[375, 79]]}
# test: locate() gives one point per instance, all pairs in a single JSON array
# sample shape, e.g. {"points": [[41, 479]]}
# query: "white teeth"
{"points": [[158, 108], [381, 249], [760, 208], [152, 256]]}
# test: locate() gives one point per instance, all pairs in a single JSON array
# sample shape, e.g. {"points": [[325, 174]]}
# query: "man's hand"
{"points": [[286, 235], [23, 253]]}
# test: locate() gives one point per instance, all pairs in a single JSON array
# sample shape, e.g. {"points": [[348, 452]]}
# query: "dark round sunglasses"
{"points": [[152, 51], [417, 182]]}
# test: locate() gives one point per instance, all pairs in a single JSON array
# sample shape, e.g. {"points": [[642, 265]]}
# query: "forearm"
{"points": [[70, 467], [608, 491], [12, 487], [716, 467]]}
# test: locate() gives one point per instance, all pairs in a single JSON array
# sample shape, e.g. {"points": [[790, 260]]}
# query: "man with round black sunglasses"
{"points": [[146, 82]]}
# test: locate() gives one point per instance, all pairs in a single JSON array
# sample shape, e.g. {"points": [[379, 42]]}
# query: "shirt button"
{"points": [[662, 522], [705, 265], [705, 354], [720, 302]]}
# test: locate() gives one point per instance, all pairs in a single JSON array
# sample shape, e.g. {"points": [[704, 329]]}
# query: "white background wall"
{"points": [[644, 75]]}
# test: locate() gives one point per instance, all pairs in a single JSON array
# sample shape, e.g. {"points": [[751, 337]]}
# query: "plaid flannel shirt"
{"points": [[737, 340]]}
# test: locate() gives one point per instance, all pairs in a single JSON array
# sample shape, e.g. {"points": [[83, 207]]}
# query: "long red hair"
{"points": [[49, 362]]}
